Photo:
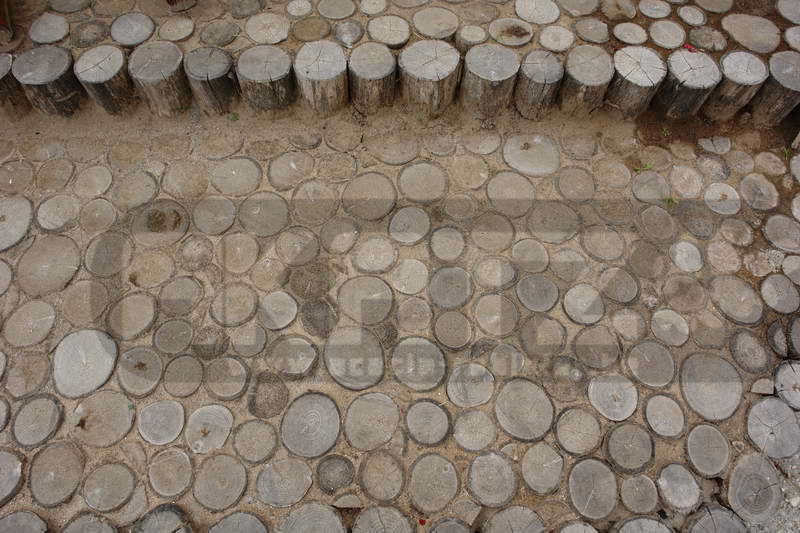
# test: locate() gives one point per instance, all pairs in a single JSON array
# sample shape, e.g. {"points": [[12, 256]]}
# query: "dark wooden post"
{"points": [[266, 78], [102, 72], [743, 74], [780, 93], [589, 70], [372, 77], [321, 70], [490, 71], [429, 75], [540, 77], [12, 97], [691, 77], [46, 76], [156, 69], [210, 77], [639, 73]]}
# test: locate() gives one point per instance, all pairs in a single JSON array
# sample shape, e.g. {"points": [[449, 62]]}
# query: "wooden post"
{"points": [[12, 97], [429, 75], [46, 76], [780, 93], [743, 74], [101, 70], [490, 71], [210, 77], [691, 77], [265, 77], [156, 70], [589, 70], [639, 73], [372, 74], [539, 80], [321, 70]]}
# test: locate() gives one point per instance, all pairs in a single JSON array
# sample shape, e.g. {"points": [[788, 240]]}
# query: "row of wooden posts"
{"points": [[429, 74]]}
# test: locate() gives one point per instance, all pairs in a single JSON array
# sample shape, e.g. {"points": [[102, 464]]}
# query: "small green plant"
{"points": [[787, 152], [665, 131], [670, 202], [647, 166], [233, 116]]}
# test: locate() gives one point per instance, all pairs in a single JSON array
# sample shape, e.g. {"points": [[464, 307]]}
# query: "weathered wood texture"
{"points": [[490, 71], [780, 94], [46, 76], [429, 75], [102, 72], [213, 84], [12, 97], [321, 70], [691, 78], [743, 74], [588, 72], [372, 77], [538, 82], [266, 78], [156, 69], [639, 73]]}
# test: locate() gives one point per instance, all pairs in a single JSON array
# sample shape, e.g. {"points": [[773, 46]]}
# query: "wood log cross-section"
{"points": [[429, 75], [639, 73], [46, 76], [156, 69], [102, 72], [209, 72], [321, 70], [539, 80]]}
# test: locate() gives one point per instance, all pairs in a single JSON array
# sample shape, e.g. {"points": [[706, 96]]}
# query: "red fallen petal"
{"points": [[422, 521]]}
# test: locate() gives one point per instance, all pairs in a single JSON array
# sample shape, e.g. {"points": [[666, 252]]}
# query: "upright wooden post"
{"points": [[372, 76], [102, 72], [210, 77], [429, 75], [743, 74], [490, 71], [589, 70], [639, 73], [12, 96], [266, 78], [156, 69], [691, 77], [540, 77], [780, 94], [46, 76], [321, 70]]}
